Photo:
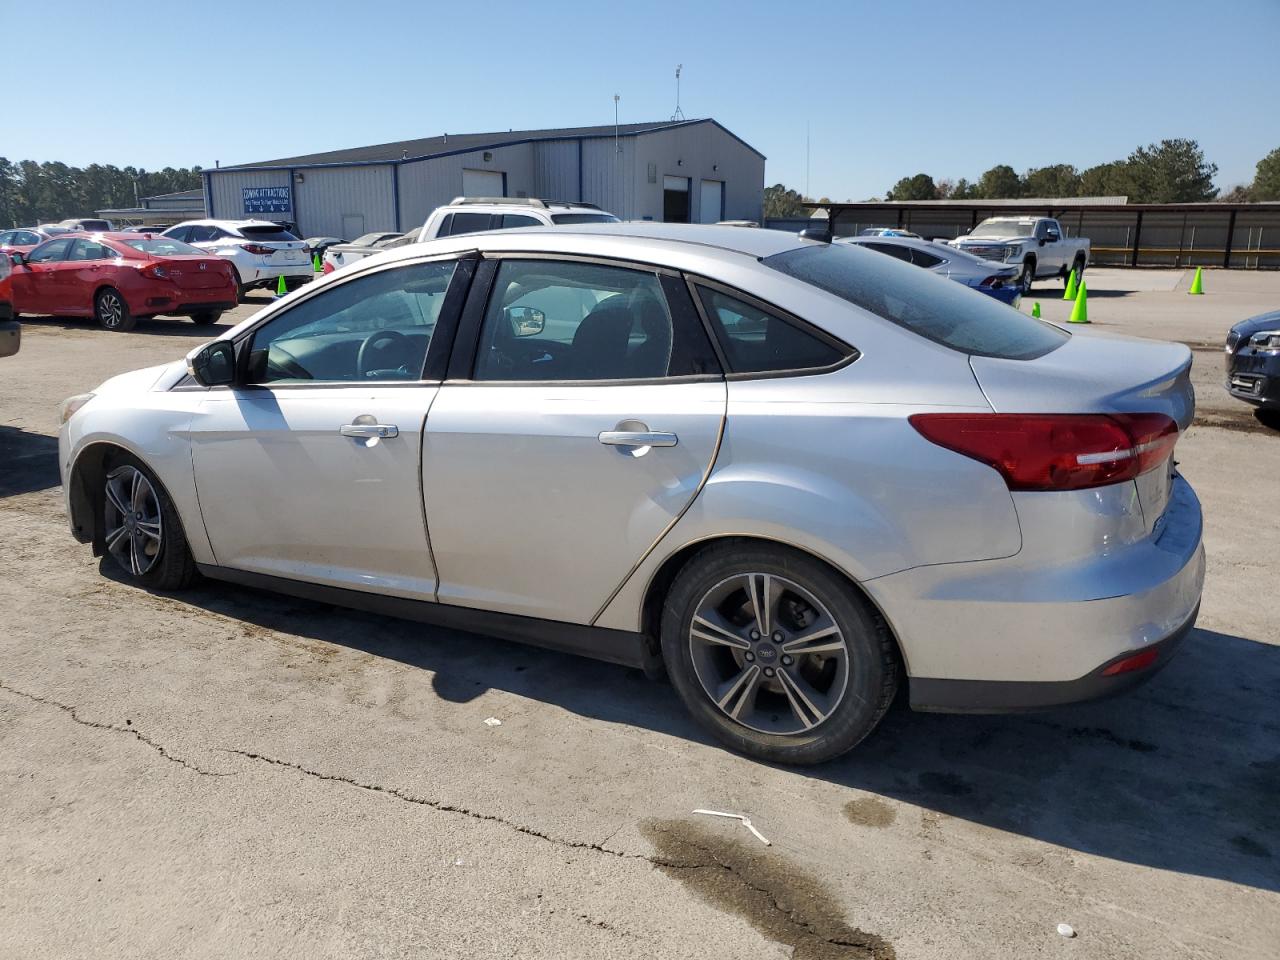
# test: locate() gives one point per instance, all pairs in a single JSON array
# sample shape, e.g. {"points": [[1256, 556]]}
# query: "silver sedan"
{"points": [[994, 279], [792, 475]]}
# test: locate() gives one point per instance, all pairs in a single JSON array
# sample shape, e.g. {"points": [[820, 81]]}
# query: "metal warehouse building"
{"points": [[691, 171]]}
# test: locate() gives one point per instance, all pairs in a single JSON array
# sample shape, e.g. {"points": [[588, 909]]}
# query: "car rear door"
{"points": [[582, 414], [308, 468]]}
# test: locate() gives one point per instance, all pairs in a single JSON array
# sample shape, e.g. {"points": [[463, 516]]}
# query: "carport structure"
{"points": [[1233, 235]]}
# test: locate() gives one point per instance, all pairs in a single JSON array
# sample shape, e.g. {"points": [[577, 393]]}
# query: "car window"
{"points": [[91, 250], [510, 220], [374, 327], [927, 305], [550, 320], [201, 234], [567, 218], [468, 223], [166, 247], [50, 251], [179, 233], [922, 258], [892, 249], [8, 237], [267, 234], [757, 341], [27, 237]]}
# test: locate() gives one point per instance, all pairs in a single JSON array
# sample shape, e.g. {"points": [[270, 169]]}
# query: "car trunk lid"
{"points": [[1093, 373], [190, 272], [285, 248]]}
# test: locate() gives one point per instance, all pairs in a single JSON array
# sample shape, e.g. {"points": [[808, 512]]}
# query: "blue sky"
{"points": [[886, 89]]}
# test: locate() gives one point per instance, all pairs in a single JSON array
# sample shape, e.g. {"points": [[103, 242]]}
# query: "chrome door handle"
{"points": [[380, 430], [637, 438]]}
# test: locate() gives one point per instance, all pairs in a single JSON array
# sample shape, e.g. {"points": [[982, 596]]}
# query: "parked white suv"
{"points": [[260, 251], [473, 214]]}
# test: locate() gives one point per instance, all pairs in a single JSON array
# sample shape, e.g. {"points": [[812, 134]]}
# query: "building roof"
{"points": [[423, 148], [196, 194]]}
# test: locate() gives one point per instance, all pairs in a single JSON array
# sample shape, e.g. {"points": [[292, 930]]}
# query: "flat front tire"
{"points": [[776, 654], [141, 529]]}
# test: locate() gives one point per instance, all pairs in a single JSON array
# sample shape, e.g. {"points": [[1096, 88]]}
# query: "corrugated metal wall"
{"points": [[555, 170], [227, 200], [608, 176], [429, 183], [344, 201]]}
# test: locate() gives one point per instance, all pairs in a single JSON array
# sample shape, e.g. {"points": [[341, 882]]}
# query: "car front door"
{"points": [[88, 266], [35, 282], [308, 467], [582, 414]]}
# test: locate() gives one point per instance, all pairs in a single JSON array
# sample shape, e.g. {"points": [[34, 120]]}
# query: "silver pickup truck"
{"points": [[1039, 245]]}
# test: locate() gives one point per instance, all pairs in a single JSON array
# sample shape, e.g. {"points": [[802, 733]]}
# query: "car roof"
{"points": [[228, 223], [918, 243]]}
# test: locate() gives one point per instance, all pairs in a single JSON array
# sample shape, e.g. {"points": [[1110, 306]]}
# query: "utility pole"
{"points": [[679, 114]]}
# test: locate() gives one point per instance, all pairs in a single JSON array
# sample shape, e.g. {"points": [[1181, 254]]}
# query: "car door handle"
{"points": [[638, 438], [379, 430]]}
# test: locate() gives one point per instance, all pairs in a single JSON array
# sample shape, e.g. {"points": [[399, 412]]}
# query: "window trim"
{"points": [[462, 363], [851, 353], [438, 349]]}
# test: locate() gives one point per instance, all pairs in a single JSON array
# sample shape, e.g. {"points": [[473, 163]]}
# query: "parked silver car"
{"points": [[792, 474], [995, 280]]}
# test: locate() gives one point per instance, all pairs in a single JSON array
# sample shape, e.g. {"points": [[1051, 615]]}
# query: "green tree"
{"points": [[919, 187], [963, 190], [1266, 179], [998, 183], [1171, 171], [1058, 180], [778, 202], [1106, 180]]}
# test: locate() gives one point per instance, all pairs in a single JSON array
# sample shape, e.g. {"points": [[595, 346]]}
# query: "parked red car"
{"points": [[118, 278], [26, 238]]}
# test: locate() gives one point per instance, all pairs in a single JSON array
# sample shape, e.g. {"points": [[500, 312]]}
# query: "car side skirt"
{"points": [[933, 695], [600, 643]]}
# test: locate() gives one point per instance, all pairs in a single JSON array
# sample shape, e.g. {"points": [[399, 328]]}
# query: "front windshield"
{"points": [[166, 247], [1005, 228]]}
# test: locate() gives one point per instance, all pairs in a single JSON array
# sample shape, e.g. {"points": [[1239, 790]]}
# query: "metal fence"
{"points": [[1240, 236]]}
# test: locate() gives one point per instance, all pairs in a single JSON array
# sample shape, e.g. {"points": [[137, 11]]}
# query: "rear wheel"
{"points": [[775, 654], [206, 318], [240, 287], [141, 529], [1078, 266], [111, 312]]}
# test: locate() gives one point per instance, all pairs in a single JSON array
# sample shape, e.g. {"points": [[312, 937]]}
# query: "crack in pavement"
{"points": [[865, 944], [138, 735]]}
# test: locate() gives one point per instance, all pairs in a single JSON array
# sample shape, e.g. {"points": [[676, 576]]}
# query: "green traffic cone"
{"points": [[1035, 310], [1080, 312], [315, 263], [281, 287], [1197, 286], [1070, 292]]}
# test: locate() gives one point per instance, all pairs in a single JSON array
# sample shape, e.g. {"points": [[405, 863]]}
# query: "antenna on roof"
{"points": [[679, 114]]}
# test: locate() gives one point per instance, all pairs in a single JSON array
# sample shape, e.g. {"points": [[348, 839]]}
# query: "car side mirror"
{"points": [[526, 321], [1049, 238], [214, 364], [18, 259]]}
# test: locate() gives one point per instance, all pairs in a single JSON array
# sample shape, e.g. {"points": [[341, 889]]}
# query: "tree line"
{"points": [[1172, 171], [32, 193]]}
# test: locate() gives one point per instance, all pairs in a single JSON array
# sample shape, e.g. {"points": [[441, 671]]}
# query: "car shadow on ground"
{"points": [[28, 461], [1182, 774]]}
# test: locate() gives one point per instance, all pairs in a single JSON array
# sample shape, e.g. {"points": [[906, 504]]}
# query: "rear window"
{"points": [[166, 247], [563, 218], [267, 234], [933, 307]]}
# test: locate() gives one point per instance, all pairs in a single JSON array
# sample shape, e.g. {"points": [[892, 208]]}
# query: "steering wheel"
{"points": [[375, 342]]}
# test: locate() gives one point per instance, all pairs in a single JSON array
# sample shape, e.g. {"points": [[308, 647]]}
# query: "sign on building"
{"points": [[267, 200]]}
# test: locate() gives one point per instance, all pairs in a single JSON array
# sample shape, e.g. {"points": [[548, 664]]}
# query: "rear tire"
{"points": [[111, 312], [240, 287], [1078, 266], [207, 318], [753, 682], [141, 528]]}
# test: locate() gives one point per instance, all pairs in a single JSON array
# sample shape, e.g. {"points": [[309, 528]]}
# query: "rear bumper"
{"points": [[1014, 634], [268, 273], [181, 302], [1011, 295]]}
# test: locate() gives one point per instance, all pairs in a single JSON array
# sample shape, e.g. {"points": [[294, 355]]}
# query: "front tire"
{"points": [[1028, 276], [141, 529], [111, 312], [776, 654]]}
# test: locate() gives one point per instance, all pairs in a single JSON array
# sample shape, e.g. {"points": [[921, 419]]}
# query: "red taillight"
{"points": [[1055, 451], [327, 267], [1139, 661], [991, 281], [155, 271], [258, 250]]}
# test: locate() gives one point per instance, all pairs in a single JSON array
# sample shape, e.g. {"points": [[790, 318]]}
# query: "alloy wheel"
{"points": [[132, 520], [111, 309], [768, 653]]}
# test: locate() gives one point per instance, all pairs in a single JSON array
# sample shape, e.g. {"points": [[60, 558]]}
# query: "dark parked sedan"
{"points": [[1253, 361]]}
